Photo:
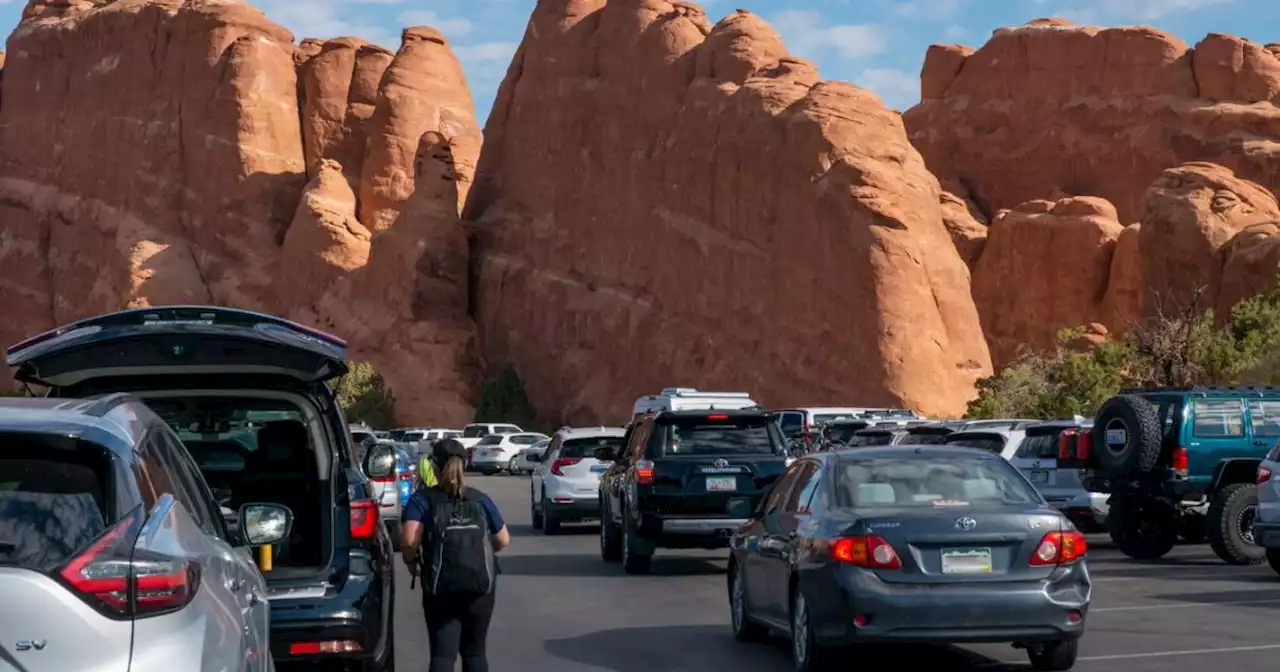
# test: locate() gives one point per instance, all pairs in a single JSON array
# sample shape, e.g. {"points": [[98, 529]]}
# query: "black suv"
{"points": [[686, 479], [248, 395]]}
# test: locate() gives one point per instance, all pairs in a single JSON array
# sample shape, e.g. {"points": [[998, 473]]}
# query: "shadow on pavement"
{"points": [[592, 565], [1258, 599], [705, 647], [566, 530]]}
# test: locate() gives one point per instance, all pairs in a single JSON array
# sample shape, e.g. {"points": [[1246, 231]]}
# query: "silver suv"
{"points": [[113, 552]]}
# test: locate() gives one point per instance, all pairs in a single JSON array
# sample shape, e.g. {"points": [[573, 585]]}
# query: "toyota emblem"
{"points": [[721, 463], [966, 523]]}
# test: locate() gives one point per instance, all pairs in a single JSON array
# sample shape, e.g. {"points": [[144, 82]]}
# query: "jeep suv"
{"points": [[247, 395], [1166, 454], [686, 479]]}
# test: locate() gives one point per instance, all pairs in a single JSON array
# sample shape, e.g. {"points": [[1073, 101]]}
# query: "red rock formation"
{"points": [[1050, 110], [1249, 264], [662, 202], [1044, 268], [340, 91], [1122, 306], [966, 225]]}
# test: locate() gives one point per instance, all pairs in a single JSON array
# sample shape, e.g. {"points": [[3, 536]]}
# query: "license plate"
{"points": [[966, 561], [599, 469], [1040, 476], [722, 483]]}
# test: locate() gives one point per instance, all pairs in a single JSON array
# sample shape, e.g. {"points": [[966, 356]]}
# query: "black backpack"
{"points": [[458, 557]]}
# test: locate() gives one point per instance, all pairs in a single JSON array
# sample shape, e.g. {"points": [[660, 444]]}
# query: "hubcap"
{"points": [[800, 631], [738, 607], [1245, 522]]}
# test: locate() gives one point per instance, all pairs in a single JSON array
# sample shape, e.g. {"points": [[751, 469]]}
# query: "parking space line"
{"points": [[1194, 575], [1187, 652], [1184, 605]]}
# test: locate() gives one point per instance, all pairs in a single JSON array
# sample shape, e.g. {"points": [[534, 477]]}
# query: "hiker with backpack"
{"points": [[450, 537]]}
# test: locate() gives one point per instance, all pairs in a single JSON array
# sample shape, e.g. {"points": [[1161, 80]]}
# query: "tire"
{"points": [[632, 562], [1058, 656], [535, 515], [512, 468], [1194, 528], [1273, 559], [550, 526], [744, 629], [807, 655], [1230, 525], [1143, 436], [1142, 529], [610, 540]]}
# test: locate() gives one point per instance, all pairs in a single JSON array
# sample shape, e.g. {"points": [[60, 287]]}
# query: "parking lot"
{"points": [[562, 609]]}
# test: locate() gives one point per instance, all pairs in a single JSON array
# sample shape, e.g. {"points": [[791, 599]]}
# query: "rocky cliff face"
{"points": [[662, 201], [159, 152]]}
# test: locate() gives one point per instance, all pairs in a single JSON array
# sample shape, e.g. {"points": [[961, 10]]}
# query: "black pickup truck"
{"points": [[685, 479]]}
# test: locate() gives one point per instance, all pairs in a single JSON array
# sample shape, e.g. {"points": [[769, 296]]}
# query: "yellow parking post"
{"points": [[264, 558]]}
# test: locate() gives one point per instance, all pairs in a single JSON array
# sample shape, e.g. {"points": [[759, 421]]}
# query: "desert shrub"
{"points": [[364, 396], [503, 399]]}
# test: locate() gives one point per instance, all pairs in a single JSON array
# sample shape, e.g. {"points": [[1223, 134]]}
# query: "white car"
{"points": [[471, 434], [527, 460], [497, 452], [566, 483]]}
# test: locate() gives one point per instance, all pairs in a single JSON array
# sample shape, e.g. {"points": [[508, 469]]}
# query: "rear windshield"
{"points": [[928, 438], [842, 433], [789, 423], [358, 437], [491, 440], [735, 435], [584, 448], [412, 437], [525, 440], [55, 498], [824, 418], [992, 443], [473, 431], [862, 439], [1039, 447], [882, 482]]}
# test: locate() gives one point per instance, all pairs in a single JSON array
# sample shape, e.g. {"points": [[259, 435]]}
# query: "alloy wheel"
{"points": [[800, 631], [738, 607]]}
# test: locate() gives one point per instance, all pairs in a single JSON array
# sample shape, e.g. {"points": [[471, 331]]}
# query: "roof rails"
{"points": [[1206, 390], [101, 406], [690, 392]]}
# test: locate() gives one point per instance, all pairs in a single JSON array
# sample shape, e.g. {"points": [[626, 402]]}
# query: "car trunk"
{"points": [[177, 355], [701, 465], [998, 540]]}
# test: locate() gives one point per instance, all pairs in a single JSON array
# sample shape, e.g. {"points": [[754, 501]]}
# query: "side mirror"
{"points": [[265, 524], [380, 463], [740, 508]]}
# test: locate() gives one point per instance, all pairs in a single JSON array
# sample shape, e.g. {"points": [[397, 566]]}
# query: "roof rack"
{"points": [[1206, 390]]}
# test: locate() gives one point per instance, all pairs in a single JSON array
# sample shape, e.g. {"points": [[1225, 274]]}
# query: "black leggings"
{"points": [[458, 627]]}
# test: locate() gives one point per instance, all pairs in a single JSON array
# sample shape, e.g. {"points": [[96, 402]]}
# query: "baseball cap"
{"points": [[447, 448]]}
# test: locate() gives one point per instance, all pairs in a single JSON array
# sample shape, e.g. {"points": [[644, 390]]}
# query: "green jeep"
{"points": [[1167, 454]]}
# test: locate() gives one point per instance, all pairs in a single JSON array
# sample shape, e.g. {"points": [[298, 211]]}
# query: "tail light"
{"points": [[1264, 475], [1066, 441], [364, 519], [869, 551], [644, 472], [561, 463], [384, 479], [406, 475], [1179, 460], [718, 417], [1059, 548], [1084, 444], [119, 581]]}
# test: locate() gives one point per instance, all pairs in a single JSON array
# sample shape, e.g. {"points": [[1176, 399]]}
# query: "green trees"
{"points": [[503, 399], [1192, 347], [364, 396]]}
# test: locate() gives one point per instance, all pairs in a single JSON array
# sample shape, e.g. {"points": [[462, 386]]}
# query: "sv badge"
{"points": [[31, 644]]}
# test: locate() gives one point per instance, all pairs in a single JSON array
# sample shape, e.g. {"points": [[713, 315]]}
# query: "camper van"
{"points": [[687, 398]]}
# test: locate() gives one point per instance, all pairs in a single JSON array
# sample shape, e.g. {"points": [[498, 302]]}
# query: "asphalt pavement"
{"points": [[560, 608]]}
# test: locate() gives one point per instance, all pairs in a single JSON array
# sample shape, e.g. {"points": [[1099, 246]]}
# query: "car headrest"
{"points": [[280, 440], [980, 488], [874, 493]]}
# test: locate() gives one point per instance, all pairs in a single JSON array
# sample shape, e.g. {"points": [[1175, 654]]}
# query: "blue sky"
{"points": [[878, 44]]}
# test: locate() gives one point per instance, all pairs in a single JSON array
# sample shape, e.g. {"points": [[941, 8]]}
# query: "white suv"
{"points": [[498, 452], [566, 482]]}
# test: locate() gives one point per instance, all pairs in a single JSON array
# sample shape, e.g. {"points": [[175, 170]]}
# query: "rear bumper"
{"points": [[1267, 534], [359, 610], [689, 531], [998, 612], [490, 463], [577, 508]]}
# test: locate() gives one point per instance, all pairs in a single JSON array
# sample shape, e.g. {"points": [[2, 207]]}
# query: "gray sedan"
{"points": [[909, 544]]}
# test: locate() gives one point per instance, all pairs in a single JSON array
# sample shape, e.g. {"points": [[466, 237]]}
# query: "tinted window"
{"points": [[790, 423], [992, 443], [473, 431], [736, 435], [197, 494], [927, 438], [491, 440], [584, 448], [881, 482], [871, 439], [1039, 447], [1218, 418], [525, 440], [162, 459], [781, 488], [828, 417], [842, 432], [414, 437], [807, 483], [55, 498], [1265, 415]]}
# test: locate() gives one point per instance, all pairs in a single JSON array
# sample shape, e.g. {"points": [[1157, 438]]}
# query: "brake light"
{"points": [[1264, 475], [870, 551], [406, 475], [120, 582], [384, 479], [563, 462], [718, 417], [329, 646], [1066, 440], [1179, 461], [1084, 444], [364, 519], [1059, 548], [644, 472]]}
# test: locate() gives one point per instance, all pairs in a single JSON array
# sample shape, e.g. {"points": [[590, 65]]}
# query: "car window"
{"points": [[1218, 418], [525, 440], [473, 431], [927, 438], [161, 462], [507, 429], [806, 484], [1265, 416], [781, 488], [992, 443], [716, 434], [963, 480], [414, 437], [790, 423], [1039, 447], [56, 497], [584, 448], [824, 418], [491, 440], [864, 438]]}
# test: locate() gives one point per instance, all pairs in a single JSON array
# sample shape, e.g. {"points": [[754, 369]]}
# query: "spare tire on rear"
{"points": [[1127, 436]]}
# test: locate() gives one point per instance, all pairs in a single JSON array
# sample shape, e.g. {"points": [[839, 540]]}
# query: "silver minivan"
{"points": [[113, 552]]}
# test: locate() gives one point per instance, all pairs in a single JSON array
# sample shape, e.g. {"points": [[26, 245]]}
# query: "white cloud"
{"points": [[897, 88], [452, 28], [808, 35], [322, 19], [1134, 10]]}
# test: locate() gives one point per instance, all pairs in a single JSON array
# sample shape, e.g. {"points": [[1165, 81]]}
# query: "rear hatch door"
{"points": [[702, 463], [579, 464], [177, 341], [992, 442], [1037, 459], [55, 501]]}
